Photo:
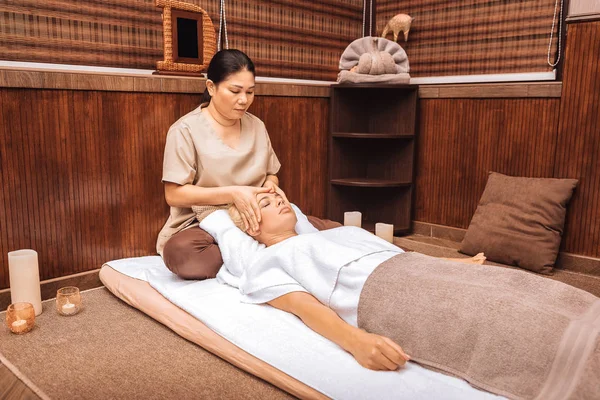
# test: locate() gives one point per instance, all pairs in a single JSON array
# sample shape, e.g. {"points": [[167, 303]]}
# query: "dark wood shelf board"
{"points": [[364, 182], [352, 135]]}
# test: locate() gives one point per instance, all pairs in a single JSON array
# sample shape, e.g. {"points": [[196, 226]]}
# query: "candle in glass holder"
{"points": [[352, 218], [68, 301], [385, 231], [20, 317], [24, 277]]}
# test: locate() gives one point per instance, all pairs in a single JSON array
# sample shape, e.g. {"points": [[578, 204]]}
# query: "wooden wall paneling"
{"points": [[83, 122], [298, 130], [80, 175], [4, 198], [461, 140], [579, 138], [80, 170], [7, 188]]}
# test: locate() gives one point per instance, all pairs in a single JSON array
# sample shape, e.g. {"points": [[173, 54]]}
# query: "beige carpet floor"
{"points": [[113, 351]]}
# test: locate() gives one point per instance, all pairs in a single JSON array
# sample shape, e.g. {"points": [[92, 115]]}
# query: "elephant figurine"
{"points": [[398, 23]]}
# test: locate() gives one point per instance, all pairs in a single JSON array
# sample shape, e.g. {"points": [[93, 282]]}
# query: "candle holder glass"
{"points": [[68, 301], [20, 317]]}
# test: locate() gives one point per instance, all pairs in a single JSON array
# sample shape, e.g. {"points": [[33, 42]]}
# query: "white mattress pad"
{"points": [[282, 340]]}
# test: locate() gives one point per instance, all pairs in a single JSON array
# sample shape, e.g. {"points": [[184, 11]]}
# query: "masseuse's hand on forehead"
{"points": [[244, 198], [276, 189]]}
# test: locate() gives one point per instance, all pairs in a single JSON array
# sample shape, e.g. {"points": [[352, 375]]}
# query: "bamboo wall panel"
{"points": [[285, 38], [298, 128], [80, 170], [474, 37], [460, 140], [578, 154]]}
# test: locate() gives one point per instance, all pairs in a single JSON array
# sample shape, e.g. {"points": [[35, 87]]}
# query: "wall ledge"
{"points": [[31, 78], [577, 263], [583, 18], [491, 90]]}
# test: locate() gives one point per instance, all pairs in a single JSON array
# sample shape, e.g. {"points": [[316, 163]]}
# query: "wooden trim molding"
{"points": [[73, 80], [567, 261], [583, 18], [83, 280], [491, 90]]}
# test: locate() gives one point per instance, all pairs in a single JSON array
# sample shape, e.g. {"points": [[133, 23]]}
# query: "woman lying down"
{"points": [[506, 331]]}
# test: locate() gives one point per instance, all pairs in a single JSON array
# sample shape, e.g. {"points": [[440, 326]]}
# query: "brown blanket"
{"points": [[506, 331]]}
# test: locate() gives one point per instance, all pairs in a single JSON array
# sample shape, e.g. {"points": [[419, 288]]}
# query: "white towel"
{"points": [[238, 249], [309, 262]]}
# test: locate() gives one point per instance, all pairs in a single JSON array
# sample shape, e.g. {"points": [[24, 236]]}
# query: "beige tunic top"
{"points": [[195, 154]]}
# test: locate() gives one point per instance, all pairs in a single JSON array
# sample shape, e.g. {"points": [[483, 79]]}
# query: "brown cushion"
{"points": [[519, 221], [323, 224], [194, 254]]}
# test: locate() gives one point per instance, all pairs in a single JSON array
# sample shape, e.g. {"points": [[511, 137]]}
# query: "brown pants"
{"points": [[193, 253]]}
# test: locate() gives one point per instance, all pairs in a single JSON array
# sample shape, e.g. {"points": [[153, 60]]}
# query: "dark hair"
{"points": [[225, 63]]}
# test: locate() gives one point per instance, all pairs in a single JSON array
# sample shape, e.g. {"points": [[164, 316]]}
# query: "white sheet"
{"points": [[283, 341], [312, 260]]}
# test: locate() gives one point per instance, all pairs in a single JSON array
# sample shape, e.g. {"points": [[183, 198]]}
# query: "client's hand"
{"points": [[244, 198], [377, 352]]}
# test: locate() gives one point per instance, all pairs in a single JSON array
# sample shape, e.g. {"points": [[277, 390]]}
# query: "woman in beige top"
{"points": [[216, 155]]}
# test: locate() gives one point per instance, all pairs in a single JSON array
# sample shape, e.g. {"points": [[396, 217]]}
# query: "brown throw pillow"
{"points": [[323, 224], [519, 221]]}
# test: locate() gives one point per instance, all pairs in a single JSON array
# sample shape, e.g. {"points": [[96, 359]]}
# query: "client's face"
{"points": [[277, 215]]}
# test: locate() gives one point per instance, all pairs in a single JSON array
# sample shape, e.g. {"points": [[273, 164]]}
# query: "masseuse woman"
{"points": [[216, 155]]}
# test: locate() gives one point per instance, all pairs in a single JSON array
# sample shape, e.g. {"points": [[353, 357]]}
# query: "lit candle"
{"points": [[19, 326], [385, 231], [352, 218], [68, 300], [69, 308], [24, 278]]}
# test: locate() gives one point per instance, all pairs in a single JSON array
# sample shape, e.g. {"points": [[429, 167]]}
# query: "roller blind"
{"points": [[285, 38], [474, 37]]}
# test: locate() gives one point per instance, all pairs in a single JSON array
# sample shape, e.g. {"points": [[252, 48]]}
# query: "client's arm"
{"points": [[370, 350]]}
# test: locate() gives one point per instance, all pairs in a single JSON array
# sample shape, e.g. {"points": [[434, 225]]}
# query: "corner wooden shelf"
{"points": [[371, 153], [363, 182]]}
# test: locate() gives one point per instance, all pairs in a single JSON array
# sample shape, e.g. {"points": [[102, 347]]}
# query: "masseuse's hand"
{"points": [[377, 352], [244, 198], [273, 188]]}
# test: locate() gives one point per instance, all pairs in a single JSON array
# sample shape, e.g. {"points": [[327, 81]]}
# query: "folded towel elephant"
{"points": [[374, 59]]}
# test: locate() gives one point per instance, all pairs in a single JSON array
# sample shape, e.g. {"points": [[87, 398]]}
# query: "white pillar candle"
{"points": [[352, 218], [24, 277], [385, 231]]}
